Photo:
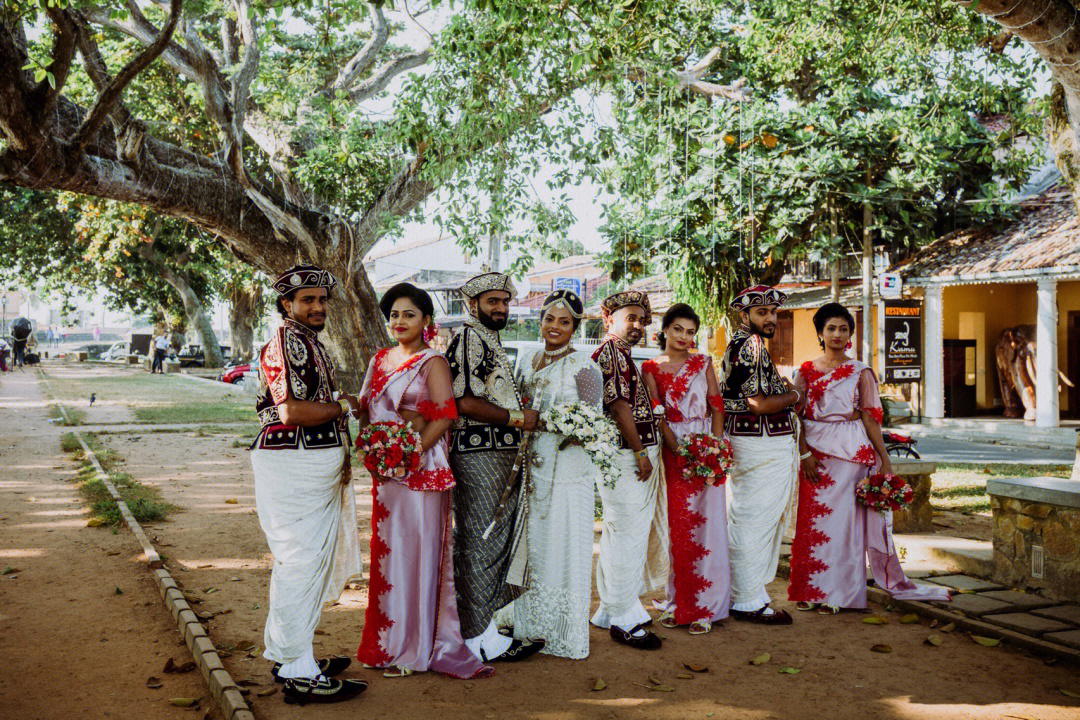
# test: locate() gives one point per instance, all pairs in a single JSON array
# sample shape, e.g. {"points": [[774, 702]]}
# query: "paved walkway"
{"points": [[81, 624], [942, 450]]}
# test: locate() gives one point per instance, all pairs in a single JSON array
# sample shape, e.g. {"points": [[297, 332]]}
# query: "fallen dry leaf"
{"points": [[948, 628], [693, 667], [230, 501], [654, 681], [247, 682], [909, 619], [934, 623], [761, 659], [986, 641], [153, 683], [267, 692], [95, 522], [662, 688], [684, 676], [234, 579], [210, 590], [599, 685], [875, 620], [881, 648], [1069, 693], [184, 702], [790, 670], [204, 565], [185, 667], [192, 599], [934, 639]]}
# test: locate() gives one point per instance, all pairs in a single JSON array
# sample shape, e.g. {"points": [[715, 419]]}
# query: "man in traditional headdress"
{"points": [[761, 424], [633, 543], [486, 455], [306, 505]]}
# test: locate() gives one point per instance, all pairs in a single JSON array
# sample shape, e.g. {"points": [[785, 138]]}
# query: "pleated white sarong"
{"points": [[633, 543], [764, 472], [309, 518]]}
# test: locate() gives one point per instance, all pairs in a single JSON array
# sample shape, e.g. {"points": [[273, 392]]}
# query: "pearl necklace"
{"points": [[556, 353]]}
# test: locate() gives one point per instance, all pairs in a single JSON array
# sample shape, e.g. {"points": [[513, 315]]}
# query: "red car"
{"points": [[235, 374]]}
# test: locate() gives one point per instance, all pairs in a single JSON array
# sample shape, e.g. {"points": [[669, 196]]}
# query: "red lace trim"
{"points": [[878, 414], [818, 382], [431, 412], [686, 551], [673, 386], [379, 376], [716, 402], [437, 479], [865, 456], [372, 651], [807, 539]]}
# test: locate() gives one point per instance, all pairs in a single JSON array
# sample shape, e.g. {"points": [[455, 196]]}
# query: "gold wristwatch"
{"points": [[642, 454]]}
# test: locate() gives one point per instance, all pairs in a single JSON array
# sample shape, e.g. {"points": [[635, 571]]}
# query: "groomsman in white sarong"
{"points": [[634, 540], [761, 423], [306, 505]]}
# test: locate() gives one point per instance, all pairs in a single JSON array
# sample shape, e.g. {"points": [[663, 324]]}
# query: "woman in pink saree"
{"points": [[842, 444], [411, 624]]}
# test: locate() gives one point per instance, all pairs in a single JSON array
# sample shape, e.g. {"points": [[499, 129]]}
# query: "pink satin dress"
{"points": [[835, 535], [412, 616]]}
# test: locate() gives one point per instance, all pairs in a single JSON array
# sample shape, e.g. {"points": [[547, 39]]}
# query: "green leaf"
{"points": [[39, 74], [790, 670]]}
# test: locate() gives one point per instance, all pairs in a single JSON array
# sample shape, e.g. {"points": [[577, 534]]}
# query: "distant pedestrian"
{"points": [[51, 337], [161, 346], [97, 334]]}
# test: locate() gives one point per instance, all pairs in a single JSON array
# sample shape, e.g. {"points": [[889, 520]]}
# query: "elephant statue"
{"points": [[1015, 355]]}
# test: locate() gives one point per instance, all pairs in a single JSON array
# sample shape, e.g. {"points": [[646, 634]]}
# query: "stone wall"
{"points": [[1018, 525], [920, 518]]}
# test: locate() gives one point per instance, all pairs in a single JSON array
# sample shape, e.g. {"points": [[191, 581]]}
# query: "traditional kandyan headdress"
{"points": [[485, 282], [757, 296], [305, 276], [628, 297], [563, 299]]}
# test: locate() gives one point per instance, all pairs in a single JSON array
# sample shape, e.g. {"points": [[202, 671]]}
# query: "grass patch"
{"points": [[961, 487], [219, 411], [73, 416], [144, 502]]}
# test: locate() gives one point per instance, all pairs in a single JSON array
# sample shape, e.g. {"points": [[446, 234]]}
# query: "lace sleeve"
{"points": [[590, 384], [867, 397], [440, 402]]}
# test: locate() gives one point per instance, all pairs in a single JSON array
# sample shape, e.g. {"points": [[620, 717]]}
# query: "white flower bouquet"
{"points": [[590, 428]]}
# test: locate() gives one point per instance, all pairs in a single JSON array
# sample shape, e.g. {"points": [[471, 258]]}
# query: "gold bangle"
{"points": [[346, 409], [517, 418]]}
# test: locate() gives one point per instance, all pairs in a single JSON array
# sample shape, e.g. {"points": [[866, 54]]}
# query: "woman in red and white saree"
{"points": [[841, 445], [699, 584], [411, 623]]}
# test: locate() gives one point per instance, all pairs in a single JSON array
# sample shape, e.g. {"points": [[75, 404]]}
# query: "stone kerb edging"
{"points": [[222, 687]]}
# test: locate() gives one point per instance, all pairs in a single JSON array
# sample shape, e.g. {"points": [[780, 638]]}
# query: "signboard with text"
{"points": [[903, 341], [574, 285]]}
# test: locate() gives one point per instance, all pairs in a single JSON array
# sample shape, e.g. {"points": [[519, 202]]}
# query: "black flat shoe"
{"points": [[519, 650], [648, 641], [301, 691], [778, 617], [329, 666]]}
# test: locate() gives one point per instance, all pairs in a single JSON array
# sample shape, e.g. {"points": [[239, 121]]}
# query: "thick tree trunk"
{"points": [[245, 305], [197, 317], [1063, 140]]}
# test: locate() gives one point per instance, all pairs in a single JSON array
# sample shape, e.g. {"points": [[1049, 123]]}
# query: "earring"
{"points": [[849, 345]]}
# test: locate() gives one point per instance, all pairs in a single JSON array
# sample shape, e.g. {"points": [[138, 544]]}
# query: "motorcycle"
{"points": [[899, 444]]}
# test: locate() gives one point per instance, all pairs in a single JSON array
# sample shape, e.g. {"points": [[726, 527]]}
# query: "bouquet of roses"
{"points": [[883, 492], [706, 457], [390, 449], [588, 426]]}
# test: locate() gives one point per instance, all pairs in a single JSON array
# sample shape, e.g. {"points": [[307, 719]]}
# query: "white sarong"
{"points": [[761, 487], [633, 543], [309, 518]]}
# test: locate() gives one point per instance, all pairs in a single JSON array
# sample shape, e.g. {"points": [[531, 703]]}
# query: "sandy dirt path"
{"points": [[217, 544], [70, 645]]}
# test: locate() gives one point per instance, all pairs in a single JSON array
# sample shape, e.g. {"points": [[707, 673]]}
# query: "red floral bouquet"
{"points": [[390, 449], [706, 458], [885, 491]]}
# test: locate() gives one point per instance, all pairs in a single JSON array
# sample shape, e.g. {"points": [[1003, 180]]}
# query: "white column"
{"points": [[934, 353], [1046, 355]]}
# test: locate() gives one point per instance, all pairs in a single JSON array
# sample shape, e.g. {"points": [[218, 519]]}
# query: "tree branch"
{"points": [[63, 53], [387, 72], [365, 57], [111, 95]]}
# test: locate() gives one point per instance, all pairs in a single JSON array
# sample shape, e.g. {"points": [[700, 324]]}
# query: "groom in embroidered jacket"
{"points": [[306, 506], [490, 550], [633, 543], [761, 424]]}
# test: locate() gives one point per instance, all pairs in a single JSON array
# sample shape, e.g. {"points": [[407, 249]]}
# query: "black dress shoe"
{"points": [[322, 689], [777, 617], [648, 641], [519, 650], [330, 667]]}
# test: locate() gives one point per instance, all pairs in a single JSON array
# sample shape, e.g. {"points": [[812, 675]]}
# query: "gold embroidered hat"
{"points": [[627, 297], [305, 276], [486, 282], [567, 299], [757, 296]]}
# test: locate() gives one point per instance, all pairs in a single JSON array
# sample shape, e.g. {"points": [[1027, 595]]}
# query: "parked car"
{"points": [[234, 374], [193, 356], [118, 351]]}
